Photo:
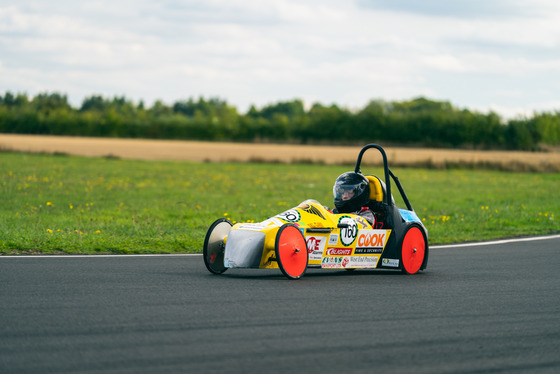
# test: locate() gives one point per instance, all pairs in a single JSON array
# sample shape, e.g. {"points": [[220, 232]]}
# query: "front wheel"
{"points": [[291, 251], [214, 245], [413, 250]]}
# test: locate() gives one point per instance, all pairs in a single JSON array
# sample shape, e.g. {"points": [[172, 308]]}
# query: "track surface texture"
{"points": [[477, 309]]}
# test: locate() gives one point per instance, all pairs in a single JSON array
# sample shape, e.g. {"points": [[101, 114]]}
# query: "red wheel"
{"points": [[413, 250], [214, 245], [291, 251]]}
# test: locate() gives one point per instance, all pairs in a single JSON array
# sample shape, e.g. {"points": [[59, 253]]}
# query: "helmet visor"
{"points": [[344, 192]]}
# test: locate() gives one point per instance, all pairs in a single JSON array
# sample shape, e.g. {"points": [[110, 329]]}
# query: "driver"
{"points": [[351, 195]]}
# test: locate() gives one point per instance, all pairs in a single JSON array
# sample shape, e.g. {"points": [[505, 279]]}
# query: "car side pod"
{"points": [[214, 245], [291, 251]]}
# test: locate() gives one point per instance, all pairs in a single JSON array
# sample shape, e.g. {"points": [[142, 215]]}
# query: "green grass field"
{"points": [[62, 204]]}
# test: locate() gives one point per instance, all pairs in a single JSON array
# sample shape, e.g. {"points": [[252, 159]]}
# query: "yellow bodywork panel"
{"points": [[333, 240]]}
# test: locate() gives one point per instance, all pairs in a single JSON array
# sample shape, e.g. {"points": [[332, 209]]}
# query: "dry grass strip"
{"points": [[145, 149]]}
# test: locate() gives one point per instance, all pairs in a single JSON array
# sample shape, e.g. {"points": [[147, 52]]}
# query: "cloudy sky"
{"points": [[500, 55]]}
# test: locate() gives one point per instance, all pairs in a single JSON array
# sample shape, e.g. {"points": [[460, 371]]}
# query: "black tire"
{"points": [[213, 250]]}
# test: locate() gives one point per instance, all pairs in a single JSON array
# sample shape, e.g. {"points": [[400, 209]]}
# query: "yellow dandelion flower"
{"points": [[49, 231], [49, 203]]}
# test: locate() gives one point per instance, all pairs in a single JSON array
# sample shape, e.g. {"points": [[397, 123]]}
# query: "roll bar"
{"points": [[388, 175]]}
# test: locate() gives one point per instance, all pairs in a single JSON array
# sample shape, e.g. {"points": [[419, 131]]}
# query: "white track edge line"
{"points": [[495, 242]]}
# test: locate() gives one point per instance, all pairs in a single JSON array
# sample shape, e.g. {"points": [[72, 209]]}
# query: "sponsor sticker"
{"points": [[368, 251], [349, 262], [331, 263], [391, 262], [338, 251], [333, 239], [252, 226], [372, 238], [362, 262], [362, 221], [315, 246]]}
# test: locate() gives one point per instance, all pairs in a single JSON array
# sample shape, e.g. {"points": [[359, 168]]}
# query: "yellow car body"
{"points": [[346, 241]]}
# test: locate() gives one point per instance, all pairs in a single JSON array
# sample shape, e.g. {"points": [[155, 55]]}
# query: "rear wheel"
{"points": [[291, 251], [214, 245], [413, 250]]}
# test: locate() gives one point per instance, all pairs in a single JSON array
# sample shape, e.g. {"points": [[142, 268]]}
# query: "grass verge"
{"points": [[61, 204]]}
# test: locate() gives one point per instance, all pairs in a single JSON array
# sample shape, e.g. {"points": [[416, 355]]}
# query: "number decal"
{"points": [[291, 215], [349, 233]]}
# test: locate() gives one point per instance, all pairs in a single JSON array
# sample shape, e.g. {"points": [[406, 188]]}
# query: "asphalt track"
{"points": [[476, 309]]}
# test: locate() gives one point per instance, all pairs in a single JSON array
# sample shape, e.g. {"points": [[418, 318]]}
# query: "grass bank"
{"points": [[63, 204]]}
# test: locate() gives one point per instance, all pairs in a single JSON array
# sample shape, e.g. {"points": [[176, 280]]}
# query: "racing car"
{"points": [[311, 235]]}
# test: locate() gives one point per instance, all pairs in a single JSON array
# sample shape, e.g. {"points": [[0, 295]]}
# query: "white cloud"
{"points": [[474, 54]]}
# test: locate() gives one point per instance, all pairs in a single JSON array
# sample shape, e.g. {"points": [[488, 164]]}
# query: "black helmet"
{"points": [[351, 192]]}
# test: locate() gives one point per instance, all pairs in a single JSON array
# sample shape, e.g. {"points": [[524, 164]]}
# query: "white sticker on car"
{"points": [[392, 262]]}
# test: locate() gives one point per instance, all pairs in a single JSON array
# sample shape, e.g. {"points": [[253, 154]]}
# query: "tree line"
{"points": [[417, 122]]}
